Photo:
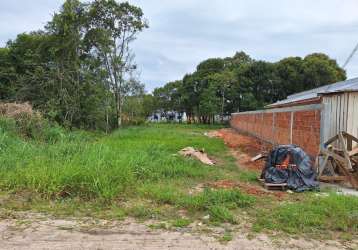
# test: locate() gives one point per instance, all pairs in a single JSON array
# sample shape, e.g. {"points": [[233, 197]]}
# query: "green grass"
{"points": [[106, 168], [181, 222], [226, 237], [132, 164], [137, 172], [312, 215], [220, 214]]}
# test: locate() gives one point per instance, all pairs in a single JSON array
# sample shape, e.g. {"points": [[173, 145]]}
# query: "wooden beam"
{"points": [[353, 152], [334, 138], [341, 139], [333, 178]]}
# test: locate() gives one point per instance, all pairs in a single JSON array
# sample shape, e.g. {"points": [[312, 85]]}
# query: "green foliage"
{"points": [[221, 214], [226, 237], [223, 86], [61, 70], [203, 201], [181, 222]]}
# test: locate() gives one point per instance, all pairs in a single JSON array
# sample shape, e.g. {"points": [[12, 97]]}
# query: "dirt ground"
{"points": [[35, 231], [242, 147]]}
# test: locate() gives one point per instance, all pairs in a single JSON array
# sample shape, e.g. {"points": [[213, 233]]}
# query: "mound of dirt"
{"points": [[243, 147]]}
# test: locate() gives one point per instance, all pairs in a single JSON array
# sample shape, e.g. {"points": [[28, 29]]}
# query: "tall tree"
{"points": [[112, 28]]}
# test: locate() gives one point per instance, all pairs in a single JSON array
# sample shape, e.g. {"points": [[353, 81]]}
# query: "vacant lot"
{"points": [[136, 173]]}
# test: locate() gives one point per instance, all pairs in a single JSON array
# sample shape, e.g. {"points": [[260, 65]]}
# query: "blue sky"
{"points": [[182, 33]]}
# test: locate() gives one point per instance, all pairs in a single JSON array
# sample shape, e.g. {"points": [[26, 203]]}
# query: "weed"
{"points": [[314, 214], [226, 237], [221, 214], [161, 225], [182, 222], [143, 212], [228, 198]]}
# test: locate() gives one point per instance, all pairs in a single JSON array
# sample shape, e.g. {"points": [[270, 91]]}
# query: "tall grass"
{"points": [[106, 167]]}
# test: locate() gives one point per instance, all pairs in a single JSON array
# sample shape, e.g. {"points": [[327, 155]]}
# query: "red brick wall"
{"points": [[297, 127]]}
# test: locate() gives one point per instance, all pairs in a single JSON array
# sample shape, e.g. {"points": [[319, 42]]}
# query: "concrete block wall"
{"points": [[283, 126]]}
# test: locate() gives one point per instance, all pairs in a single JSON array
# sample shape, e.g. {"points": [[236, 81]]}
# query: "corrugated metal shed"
{"points": [[339, 113], [344, 86]]}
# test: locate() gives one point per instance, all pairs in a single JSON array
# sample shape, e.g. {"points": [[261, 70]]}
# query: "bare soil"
{"points": [[35, 231], [242, 147]]}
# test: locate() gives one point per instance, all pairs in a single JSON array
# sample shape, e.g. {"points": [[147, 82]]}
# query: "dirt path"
{"points": [[39, 232]]}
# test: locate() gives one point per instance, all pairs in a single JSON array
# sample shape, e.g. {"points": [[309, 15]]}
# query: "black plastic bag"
{"points": [[290, 164]]}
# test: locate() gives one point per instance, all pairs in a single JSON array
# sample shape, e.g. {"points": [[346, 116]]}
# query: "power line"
{"points": [[350, 56]]}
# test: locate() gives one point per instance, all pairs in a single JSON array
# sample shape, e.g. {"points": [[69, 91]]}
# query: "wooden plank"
{"points": [[330, 168], [342, 142], [353, 152], [321, 168], [354, 116], [333, 178], [350, 136], [335, 156], [331, 140], [258, 157], [352, 180]]}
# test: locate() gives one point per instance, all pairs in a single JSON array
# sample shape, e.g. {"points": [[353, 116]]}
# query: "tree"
{"points": [[319, 69], [222, 86], [112, 27], [290, 74], [7, 75], [72, 69]]}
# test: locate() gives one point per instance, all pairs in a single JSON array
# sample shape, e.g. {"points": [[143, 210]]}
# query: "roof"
{"points": [[344, 86]]}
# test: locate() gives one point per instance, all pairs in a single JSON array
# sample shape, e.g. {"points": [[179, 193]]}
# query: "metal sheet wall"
{"points": [[340, 113]]}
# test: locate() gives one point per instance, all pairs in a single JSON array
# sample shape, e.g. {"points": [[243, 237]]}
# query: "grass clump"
{"points": [[313, 215], [230, 199], [143, 212], [221, 214], [181, 222], [226, 237], [202, 201]]}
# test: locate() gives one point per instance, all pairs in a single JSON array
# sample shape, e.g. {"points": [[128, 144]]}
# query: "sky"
{"points": [[183, 33]]}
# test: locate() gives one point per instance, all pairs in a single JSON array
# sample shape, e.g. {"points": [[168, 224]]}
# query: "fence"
{"points": [[300, 125]]}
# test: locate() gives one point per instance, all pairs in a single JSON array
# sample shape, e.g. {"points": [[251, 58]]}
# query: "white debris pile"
{"points": [[198, 154]]}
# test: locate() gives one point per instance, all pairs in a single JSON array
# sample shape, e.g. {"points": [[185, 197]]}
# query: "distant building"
{"points": [[174, 116]]}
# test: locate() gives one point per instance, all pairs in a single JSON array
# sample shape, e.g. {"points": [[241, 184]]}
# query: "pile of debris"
{"points": [[16, 110], [198, 154], [338, 160], [288, 166]]}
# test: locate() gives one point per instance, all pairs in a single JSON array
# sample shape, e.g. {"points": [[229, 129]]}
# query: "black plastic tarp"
{"points": [[299, 175]]}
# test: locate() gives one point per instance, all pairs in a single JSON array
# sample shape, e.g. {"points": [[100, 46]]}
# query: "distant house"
{"points": [[306, 119], [169, 116]]}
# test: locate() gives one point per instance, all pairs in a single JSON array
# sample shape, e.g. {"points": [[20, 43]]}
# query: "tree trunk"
{"points": [[222, 108], [118, 110]]}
